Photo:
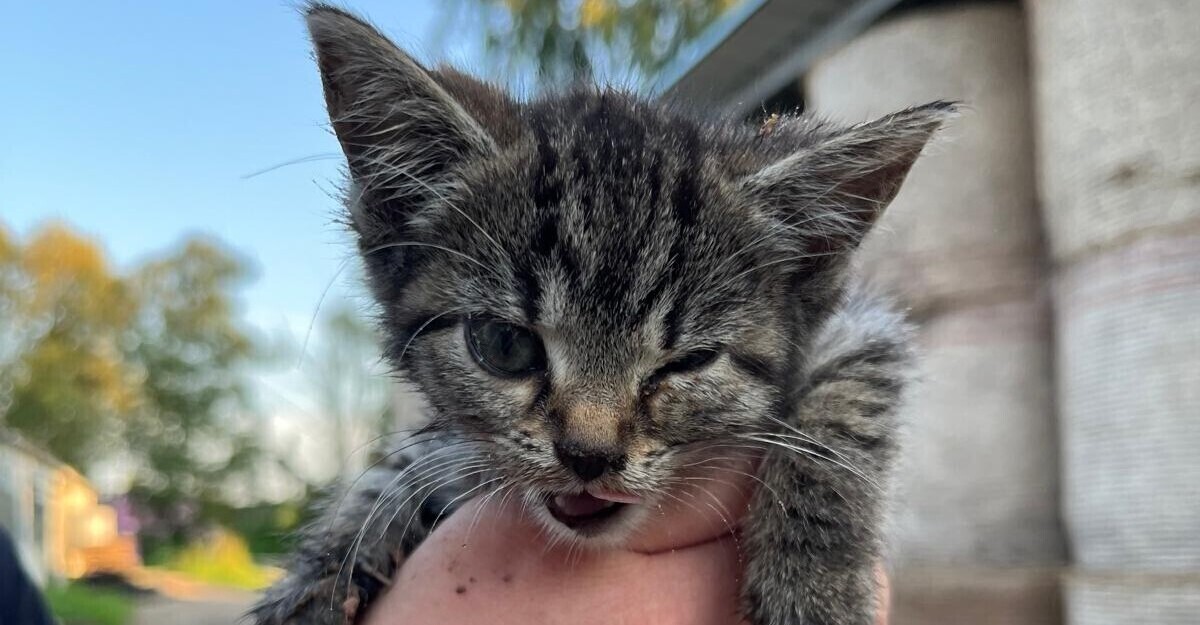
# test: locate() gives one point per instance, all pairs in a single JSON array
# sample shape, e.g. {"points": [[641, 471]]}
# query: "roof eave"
{"points": [[759, 47]]}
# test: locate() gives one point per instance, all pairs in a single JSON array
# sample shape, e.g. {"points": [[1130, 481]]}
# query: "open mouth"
{"points": [[587, 512]]}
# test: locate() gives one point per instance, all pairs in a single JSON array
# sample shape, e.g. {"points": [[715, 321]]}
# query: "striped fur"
{"points": [[688, 278]]}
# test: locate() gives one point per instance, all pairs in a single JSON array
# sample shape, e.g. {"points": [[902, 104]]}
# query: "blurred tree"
{"points": [[194, 433], [10, 275], [148, 369], [567, 40], [64, 382]]}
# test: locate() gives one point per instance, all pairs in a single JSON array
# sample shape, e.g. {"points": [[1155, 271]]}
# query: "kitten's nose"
{"points": [[589, 464]]}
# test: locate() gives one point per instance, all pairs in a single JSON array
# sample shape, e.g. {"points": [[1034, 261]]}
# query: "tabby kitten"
{"points": [[592, 291]]}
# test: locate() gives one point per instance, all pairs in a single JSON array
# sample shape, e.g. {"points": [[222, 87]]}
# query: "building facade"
{"points": [[55, 518]]}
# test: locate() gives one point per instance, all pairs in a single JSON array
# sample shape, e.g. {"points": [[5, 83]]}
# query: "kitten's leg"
{"points": [[343, 562], [813, 534]]}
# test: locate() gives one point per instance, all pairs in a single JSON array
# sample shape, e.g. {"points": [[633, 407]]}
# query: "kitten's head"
{"points": [[590, 285]]}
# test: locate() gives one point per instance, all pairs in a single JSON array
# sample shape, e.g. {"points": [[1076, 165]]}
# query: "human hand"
{"points": [[492, 563]]}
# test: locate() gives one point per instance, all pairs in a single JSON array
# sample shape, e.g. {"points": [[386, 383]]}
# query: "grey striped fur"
{"points": [[631, 236]]}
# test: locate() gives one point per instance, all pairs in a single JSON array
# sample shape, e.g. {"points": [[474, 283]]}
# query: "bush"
{"points": [[222, 559], [76, 604]]}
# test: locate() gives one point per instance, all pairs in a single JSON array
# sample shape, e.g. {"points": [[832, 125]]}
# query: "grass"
{"points": [[76, 604]]}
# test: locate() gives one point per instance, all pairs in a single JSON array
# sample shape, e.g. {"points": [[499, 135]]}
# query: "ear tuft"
{"points": [[833, 190]]}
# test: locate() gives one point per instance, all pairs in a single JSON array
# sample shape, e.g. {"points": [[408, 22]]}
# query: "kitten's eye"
{"points": [[691, 361], [504, 349]]}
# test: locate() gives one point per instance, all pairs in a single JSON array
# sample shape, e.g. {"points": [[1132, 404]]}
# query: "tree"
{"points": [[64, 382], [194, 433], [566, 40], [149, 368]]}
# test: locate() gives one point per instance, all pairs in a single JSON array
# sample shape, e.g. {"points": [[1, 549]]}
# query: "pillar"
{"points": [[978, 537], [1117, 85]]}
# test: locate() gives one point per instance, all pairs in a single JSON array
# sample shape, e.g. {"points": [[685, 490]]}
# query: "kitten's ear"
{"points": [[399, 128], [487, 103], [832, 191]]}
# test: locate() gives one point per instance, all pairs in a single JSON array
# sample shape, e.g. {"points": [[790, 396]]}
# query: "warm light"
{"points": [[99, 527], [77, 498]]}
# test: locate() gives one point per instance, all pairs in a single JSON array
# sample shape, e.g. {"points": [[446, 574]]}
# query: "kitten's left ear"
{"points": [[832, 191]]}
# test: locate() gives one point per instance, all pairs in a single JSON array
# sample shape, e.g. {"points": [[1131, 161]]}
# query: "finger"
{"points": [[885, 595]]}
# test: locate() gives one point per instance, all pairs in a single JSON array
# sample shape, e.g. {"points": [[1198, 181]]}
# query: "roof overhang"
{"points": [[759, 47]]}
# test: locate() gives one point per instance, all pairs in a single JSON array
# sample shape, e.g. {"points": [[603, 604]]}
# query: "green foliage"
{"points": [[568, 40], [147, 367], [77, 604], [64, 381], [193, 433]]}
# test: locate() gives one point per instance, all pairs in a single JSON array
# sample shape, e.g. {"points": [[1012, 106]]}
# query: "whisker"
{"points": [[317, 309], [483, 504], [311, 158], [476, 471], [450, 472], [808, 439], [350, 488], [814, 454], [420, 329], [460, 497], [458, 460], [693, 507], [352, 551]]}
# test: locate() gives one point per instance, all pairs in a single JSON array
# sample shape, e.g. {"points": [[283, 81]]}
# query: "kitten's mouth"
{"points": [[591, 512]]}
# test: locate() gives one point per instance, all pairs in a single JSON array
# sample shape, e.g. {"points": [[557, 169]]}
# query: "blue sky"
{"points": [[138, 123]]}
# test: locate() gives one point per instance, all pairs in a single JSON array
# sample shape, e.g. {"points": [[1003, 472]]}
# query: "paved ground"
{"points": [[181, 600], [164, 611]]}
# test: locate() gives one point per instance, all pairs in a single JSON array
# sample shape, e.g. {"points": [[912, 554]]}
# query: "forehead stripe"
{"points": [[547, 188]]}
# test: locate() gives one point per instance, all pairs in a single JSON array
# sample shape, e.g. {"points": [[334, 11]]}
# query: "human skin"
{"points": [[491, 563]]}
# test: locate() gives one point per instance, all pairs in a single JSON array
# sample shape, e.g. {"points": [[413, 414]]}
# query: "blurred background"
{"points": [[186, 356]]}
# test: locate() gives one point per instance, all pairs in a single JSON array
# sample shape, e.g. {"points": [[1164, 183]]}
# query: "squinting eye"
{"points": [[691, 361], [504, 349]]}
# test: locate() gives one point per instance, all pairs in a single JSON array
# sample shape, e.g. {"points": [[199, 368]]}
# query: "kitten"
{"points": [[592, 291]]}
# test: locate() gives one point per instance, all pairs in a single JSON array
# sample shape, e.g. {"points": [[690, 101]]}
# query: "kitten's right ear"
{"points": [[400, 129]]}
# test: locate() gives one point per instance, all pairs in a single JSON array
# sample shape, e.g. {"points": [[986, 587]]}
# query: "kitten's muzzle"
{"points": [[589, 463]]}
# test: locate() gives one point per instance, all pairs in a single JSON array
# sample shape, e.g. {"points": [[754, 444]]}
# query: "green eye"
{"points": [[504, 349]]}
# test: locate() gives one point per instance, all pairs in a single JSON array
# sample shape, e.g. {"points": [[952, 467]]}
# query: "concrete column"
{"points": [[1117, 86], [978, 529]]}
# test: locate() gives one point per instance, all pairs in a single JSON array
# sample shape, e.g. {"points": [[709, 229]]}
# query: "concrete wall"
{"points": [[978, 529], [1117, 86]]}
